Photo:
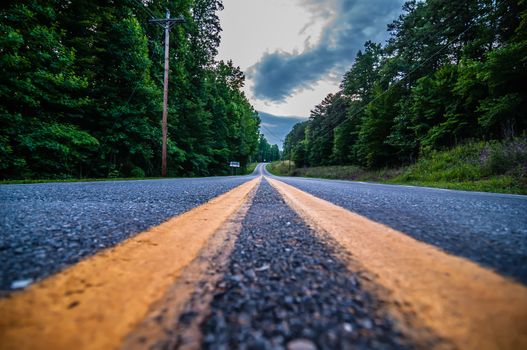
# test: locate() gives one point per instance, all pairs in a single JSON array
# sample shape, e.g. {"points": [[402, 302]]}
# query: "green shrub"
{"points": [[476, 166], [113, 174], [507, 158], [281, 168], [137, 172], [250, 168]]}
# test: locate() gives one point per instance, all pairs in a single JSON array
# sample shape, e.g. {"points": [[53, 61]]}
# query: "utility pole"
{"points": [[166, 23]]}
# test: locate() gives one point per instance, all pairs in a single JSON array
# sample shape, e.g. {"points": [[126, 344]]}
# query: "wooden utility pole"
{"points": [[166, 23]]}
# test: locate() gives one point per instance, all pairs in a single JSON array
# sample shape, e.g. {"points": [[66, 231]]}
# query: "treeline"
{"points": [[267, 152], [451, 71], [81, 91]]}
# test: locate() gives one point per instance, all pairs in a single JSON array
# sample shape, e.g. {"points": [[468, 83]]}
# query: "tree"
{"points": [[274, 153], [330, 113], [40, 95], [300, 154], [81, 94], [450, 72], [372, 149], [295, 136], [503, 112]]}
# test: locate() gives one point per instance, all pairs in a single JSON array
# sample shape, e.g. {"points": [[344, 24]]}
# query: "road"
{"points": [[487, 228], [260, 262], [46, 227]]}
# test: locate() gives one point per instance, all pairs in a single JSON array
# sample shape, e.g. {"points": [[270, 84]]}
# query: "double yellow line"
{"points": [[96, 303], [469, 306]]}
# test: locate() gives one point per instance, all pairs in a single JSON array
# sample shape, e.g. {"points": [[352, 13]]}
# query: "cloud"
{"points": [[275, 128], [350, 23], [269, 125]]}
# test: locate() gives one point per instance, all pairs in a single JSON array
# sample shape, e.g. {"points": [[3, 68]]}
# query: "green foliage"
{"points": [[266, 152], [503, 112], [113, 173], [475, 166], [296, 135], [495, 166], [137, 172], [250, 168], [462, 163], [274, 153], [319, 132], [372, 149], [300, 155], [342, 152], [508, 158], [81, 94], [359, 81], [280, 168], [451, 72]]}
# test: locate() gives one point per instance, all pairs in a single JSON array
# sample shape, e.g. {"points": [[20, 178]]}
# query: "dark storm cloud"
{"points": [[351, 23]]}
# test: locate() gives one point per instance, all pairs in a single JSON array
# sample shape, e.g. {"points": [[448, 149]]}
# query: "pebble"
{"points": [[366, 323], [66, 222], [304, 299], [21, 283], [301, 344], [347, 327], [489, 229], [263, 268]]}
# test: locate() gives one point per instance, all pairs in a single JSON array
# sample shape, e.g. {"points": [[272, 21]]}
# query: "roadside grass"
{"points": [[349, 172], [38, 181], [281, 168], [479, 166], [498, 184], [250, 168]]}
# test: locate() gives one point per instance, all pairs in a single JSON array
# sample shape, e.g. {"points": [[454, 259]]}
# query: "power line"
{"points": [[269, 131]]}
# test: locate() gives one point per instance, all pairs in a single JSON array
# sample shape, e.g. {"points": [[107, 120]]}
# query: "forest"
{"points": [[451, 72], [81, 91]]}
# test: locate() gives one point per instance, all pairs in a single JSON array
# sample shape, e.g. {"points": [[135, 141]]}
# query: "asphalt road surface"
{"points": [[283, 282], [46, 227], [488, 228]]}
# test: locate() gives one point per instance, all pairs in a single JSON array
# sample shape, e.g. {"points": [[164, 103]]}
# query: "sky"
{"points": [[295, 52]]}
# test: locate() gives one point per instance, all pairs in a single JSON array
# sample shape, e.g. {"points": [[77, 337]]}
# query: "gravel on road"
{"points": [[488, 228], [47, 227], [285, 288]]}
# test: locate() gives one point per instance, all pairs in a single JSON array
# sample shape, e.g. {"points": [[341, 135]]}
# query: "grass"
{"points": [[501, 184], [250, 168], [281, 168], [38, 181], [481, 166]]}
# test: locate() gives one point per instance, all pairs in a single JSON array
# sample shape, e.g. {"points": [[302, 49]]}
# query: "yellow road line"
{"points": [[458, 300], [201, 274], [97, 302]]}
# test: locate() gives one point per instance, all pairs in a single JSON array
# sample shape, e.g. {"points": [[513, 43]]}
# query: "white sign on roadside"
{"points": [[234, 164]]}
